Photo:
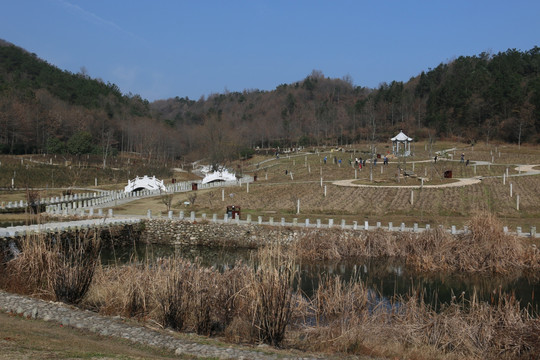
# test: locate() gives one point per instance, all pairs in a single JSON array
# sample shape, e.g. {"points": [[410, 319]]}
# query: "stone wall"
{"points": [[164, 231], [111, 236]]}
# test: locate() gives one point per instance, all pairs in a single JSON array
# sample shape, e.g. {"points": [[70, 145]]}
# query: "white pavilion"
{"points": [[401, 140]]}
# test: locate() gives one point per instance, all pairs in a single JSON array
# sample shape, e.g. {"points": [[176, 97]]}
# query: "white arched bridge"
{"points": [[145, 182]]}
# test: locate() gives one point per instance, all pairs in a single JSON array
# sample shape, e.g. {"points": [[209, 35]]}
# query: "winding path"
{"points": [[525, 170]]}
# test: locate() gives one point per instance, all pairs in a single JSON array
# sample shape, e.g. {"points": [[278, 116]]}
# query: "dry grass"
{"points": [[33, 271], [53, 268], [356, 322], [485, 248], [260, 303], [271, 291]]}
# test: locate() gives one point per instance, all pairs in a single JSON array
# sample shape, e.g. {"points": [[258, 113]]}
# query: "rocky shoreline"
{"points": [[117, 327]]}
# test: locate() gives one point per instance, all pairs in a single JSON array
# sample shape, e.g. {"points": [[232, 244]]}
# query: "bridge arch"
{"points": [[145, 182]]}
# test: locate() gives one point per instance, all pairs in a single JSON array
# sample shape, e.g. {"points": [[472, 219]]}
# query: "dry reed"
{"points": [[261, 304], [74, 272], [33, 270], [53, 268], [271, 293], [484, 248]]}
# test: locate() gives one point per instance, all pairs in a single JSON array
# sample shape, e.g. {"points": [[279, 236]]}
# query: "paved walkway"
{"points": [[525, 170]]}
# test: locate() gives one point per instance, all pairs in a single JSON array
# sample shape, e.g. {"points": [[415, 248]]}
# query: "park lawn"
{"points": [[35, 339]]}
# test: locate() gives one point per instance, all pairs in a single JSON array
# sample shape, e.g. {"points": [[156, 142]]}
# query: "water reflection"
{"points": [[386, 276], [11, 223]]}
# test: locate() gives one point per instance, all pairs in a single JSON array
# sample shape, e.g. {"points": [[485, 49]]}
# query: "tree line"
{"points": [[471, 98]]}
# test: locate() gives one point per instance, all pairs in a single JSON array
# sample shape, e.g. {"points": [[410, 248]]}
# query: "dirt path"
{"points": [[525, 170], [459, 182]]}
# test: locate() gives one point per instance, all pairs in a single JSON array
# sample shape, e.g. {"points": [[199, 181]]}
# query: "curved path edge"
{"points": [[525, 170], [66, 315]]}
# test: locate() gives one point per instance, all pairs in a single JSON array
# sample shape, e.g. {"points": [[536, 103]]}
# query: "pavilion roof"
{"points": [[401, 137]]}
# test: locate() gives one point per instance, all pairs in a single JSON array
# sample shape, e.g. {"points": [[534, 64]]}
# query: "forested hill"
{"points": [[45, 109], [474, 98]]}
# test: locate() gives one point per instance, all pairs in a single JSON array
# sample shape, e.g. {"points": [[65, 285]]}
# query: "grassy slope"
{"points": [[34, 339], [277, 195]]}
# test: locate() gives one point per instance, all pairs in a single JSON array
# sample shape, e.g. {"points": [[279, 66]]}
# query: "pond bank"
{"points": [[116, 326]]}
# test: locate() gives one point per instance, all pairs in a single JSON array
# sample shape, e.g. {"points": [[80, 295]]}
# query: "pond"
{"points": [[386, 276]]}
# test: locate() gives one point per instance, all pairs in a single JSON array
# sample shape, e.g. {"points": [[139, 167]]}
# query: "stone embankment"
{"points": [[115, 326], [182, 232]]}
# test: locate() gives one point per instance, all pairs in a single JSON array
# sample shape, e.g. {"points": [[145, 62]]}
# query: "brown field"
{"points": [[276, 192], [446, 206]]}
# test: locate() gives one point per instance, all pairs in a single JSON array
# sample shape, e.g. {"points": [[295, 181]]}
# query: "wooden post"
{"points": [[511, 189], [222, 194], [517, 202], [298, 206], [412, 197], [324, 190]]}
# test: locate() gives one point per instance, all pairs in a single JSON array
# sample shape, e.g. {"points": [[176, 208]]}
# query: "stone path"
{"points": [[115, 326]]}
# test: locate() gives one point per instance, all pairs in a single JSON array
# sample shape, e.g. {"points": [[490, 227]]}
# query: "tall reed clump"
{"points": [[125, 290], [62, 269], [33, 270], [177, 293], [174, 299], [271, 294], [74, 272]]}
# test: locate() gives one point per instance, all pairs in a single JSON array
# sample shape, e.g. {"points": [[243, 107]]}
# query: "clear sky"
{"points": [[166, 48]]}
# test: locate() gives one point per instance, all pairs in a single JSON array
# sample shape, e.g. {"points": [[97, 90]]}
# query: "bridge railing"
{"points": [[111, 198]]}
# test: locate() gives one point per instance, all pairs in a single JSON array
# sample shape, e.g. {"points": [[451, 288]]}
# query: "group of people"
{"points": [[358, 162], [462, 159]]}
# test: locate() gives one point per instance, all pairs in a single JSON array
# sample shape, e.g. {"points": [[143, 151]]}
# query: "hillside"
{"points": [[474, 98]]}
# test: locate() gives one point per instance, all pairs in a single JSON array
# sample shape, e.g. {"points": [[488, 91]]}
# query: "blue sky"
{"points": [[162, 49]]}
